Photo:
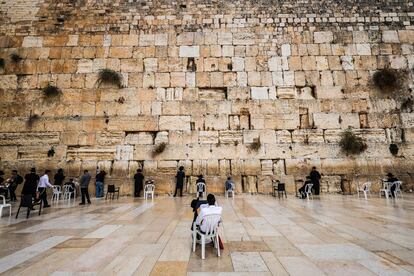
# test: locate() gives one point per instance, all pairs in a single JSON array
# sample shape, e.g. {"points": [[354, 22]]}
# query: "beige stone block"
{"points": [[132, 65], [237, 64], [390, 37], [360, 37], [323, 37], [178, 79], [189, 51], [228, 51], [363, 49], [120, 52], [32, 42], [321, 63], [215, 51], [407, 120], [308, 63], [230, 79], [148, 80], [202, 79], [294, 63], [162, 79], [349, 120], [253, 78], [224, 38], [250, 64], [150, 64], [286, 92], [208, 137], [216, 122], [278, 64], [282, 121], [244, 38], [174, 123], [8, 82], [398, 62], [85, 66], [211, 64], [347, 63], [326, 120]]}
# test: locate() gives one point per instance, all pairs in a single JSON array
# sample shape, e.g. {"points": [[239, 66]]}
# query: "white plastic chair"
{"points": [[67, 193], [308, 190], [4, 205], [211, 223], [230, 191], [149, 189], [56, 194], [398, 188], [386, 189], [201, 188], [366, 189]]}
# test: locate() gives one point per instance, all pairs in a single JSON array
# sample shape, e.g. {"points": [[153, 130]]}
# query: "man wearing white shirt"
{"points": [[42, 186], [207, 209]]}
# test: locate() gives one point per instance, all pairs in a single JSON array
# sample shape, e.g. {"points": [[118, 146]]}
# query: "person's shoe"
{"points": [[46, 206], [82, 203]]}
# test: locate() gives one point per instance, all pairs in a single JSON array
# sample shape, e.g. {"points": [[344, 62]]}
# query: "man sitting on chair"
{"points": [[207, 209], [302, 189], [391, 179]]}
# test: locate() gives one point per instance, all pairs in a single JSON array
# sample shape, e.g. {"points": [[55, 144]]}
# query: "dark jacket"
{"points": [[180, 178], [59, 177], [84, 181], [30, 184], [315, 177], [139, 179], [100, 177]]}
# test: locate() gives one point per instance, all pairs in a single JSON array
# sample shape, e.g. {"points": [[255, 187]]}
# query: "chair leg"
{"points": [[194, 240], [28, 212], [17, 214], [365, 195], [218, 245], [40, 207], [203, 247], [1, 212], [9, 211]]}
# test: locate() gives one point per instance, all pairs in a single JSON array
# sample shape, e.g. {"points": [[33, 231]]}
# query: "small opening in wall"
{"points": [[191, 65]]}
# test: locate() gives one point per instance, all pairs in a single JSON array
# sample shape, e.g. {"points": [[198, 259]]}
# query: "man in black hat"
{"points": [[138, 181], [30, 183], [180, 181], [315, 176], [391, 179]]}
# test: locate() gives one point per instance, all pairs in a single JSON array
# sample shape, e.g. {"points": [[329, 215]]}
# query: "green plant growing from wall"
{"points": [[15, 57], [51, 91], [51, 152], [109, 76], [159, 148], [33, 118], [2, 63], [352, 144], [388, 80], [393, 149], [256, 145]]}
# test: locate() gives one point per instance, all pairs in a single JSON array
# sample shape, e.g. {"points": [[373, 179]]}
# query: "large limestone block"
{"points": [[31, 138], [124, 152], [282, 121], [90, 153], [323, 37], [260, 93], [286, 92], [326, 120], [8, 153], [301, 166], [8, 82], [208, 137], [105, 138], [387, 120], [140, 123], [406, 36], [244, 38], [189, 51], [139, 138], [230, 137], [307, 136], [216, 122], [174, 123], [349, 120], [407, 120], [251, 166], [183, 137], [390, 37], [32, 42]]}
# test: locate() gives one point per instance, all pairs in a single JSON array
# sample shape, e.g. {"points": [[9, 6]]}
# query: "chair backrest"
{"points": [[210, 223], [281, 187], [56, 189], [366, 186], [149, 188], [4, 199], [26, 201], [397, 185], [67, 189], [111, 188], [308, 188], [201, 187]]}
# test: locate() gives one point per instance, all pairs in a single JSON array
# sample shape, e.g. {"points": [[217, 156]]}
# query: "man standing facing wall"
{"points": [[84, 184]]}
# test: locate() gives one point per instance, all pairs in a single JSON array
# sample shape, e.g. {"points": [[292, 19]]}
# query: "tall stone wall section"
{"points": [[210, 79]]}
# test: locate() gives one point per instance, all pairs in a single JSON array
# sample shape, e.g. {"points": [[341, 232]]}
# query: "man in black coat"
{"points": [[138, 181], [180, 181], [315, 177], [30, 183]]}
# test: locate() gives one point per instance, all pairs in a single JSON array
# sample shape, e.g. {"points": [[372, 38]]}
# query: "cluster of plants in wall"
{"points": [[393, 149], [15, 58], [351, 143], [33, 118], [51, 91], [159, 148], [109, 76], [2, 63], [256, 145]]}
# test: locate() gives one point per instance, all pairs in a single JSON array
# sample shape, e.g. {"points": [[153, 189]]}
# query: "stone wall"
{"points": [[211, 79]]}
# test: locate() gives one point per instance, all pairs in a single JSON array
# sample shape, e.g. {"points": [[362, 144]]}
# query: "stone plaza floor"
{"points": [[263, 235]]}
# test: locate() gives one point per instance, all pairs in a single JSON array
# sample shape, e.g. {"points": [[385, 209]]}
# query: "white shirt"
{"points": [[44, 182], [207, 210]]}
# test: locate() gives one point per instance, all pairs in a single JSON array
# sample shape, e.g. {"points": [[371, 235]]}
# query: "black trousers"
{"points": [[85, 192], [43, 196], [12, 190], [138, 189], [316, 188], [181, 189]]}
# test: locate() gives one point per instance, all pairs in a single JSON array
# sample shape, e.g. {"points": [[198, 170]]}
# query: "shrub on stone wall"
{"points": [[387, 80], [109, 76], [2, 63], [393, 149], [159, 148], [352, 144], [51, 91], [15, 58], [255, 146], [51, 152], [407, 105]]}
